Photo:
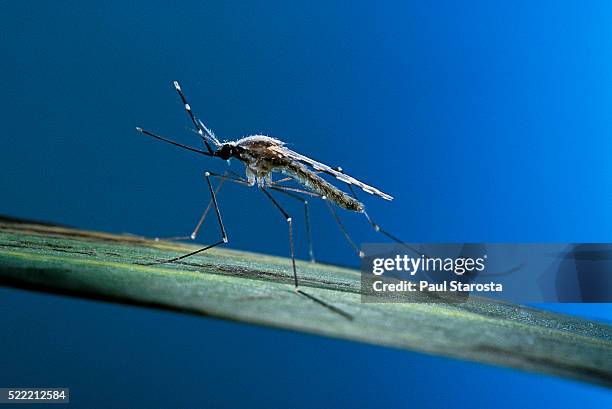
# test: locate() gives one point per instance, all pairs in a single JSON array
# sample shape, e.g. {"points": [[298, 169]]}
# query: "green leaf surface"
{"points": [[257, 289]]}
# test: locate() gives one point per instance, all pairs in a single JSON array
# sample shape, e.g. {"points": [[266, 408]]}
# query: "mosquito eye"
{"points": [[225, 152]]}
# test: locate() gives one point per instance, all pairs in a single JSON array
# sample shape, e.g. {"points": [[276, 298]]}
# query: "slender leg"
{"points": [[196, 230], [297, 289], [224, 238], [290, 224], [379, 229], [287, 179], [286, 191], [194, 234], [222, 178], [308, 232], [343, 229], [294, 189], [239, 180], [374, 225], [235, 178]]}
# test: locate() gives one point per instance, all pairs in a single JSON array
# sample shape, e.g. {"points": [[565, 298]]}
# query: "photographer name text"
{"points": [[451, 286]]}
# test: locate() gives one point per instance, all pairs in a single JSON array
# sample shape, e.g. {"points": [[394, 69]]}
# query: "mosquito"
{"points": [[262, 156]]}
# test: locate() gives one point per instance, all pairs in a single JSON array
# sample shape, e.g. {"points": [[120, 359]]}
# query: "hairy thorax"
{"points": [[260, 158]]}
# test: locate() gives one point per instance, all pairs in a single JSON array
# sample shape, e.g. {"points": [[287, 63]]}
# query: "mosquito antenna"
{"points": [[180, 145], [205, 133]]}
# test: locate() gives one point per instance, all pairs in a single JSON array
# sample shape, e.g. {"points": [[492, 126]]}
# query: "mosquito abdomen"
{"points": [[311, 180]]}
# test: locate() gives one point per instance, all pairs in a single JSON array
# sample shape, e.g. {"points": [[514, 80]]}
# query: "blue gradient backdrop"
{"points": [[487, 121]]}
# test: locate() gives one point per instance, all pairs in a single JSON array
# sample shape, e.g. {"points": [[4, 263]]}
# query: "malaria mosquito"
{"points": [[263, 155]]}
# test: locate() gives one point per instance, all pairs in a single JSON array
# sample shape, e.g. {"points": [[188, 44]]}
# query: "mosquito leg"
{"points": [[285, 191], [343, 229], [287, 179], [294, 189], [224, 238], [379, 229], [194, 234], [235, 178], [376, 226], [290, 224], [297, 289], [341, 225], [223, 178], [308, 232], [339, 222]]}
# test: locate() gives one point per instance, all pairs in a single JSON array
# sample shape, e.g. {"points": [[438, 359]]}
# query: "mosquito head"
{"points": [[226, 151]]}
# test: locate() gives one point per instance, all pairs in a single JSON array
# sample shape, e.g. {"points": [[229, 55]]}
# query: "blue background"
{"points": [[487, 121]]}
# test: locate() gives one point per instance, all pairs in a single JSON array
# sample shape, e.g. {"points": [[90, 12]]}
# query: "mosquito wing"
{"points": [[321, 167]]}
